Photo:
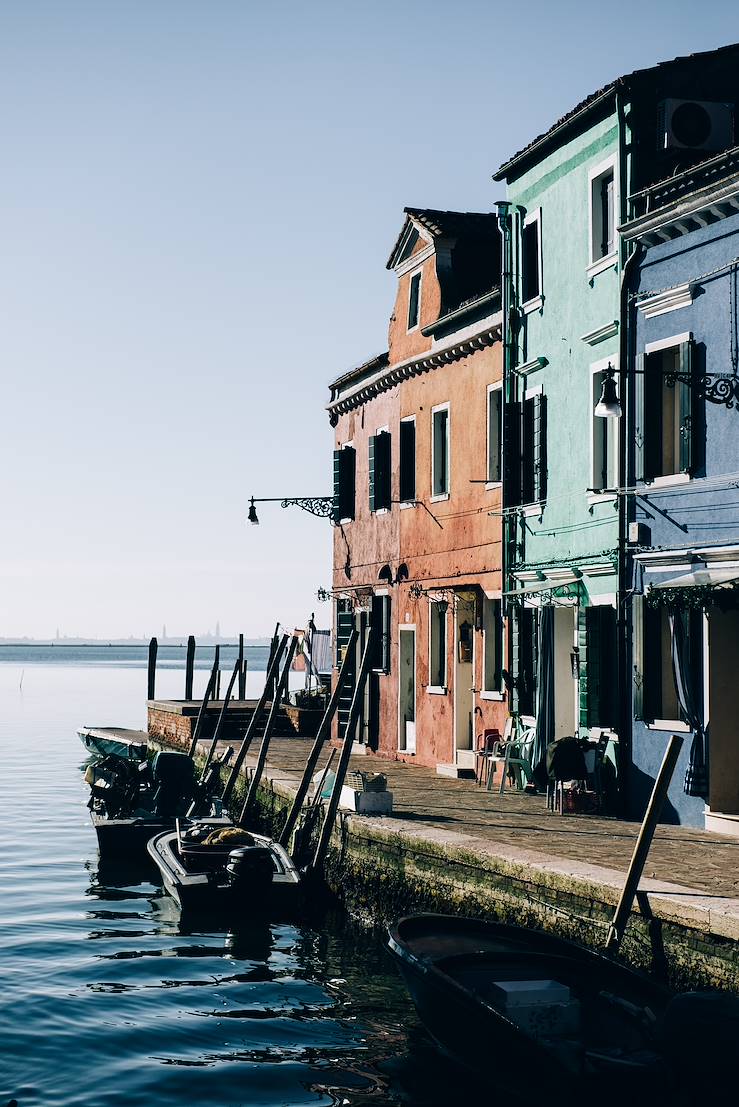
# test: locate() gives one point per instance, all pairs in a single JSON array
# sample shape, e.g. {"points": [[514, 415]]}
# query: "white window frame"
{"points": [[598, 265], [436, 497], [405, 627], [414, 501], [596, 368], [411, 277], [536, 302], [497, 386], [438, 689], [496, 694], [656, 347]]}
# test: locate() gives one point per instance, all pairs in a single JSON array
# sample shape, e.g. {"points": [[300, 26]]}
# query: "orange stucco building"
{"points": [[417, 470]]}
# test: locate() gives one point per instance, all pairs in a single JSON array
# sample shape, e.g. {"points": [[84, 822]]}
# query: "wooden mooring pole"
{"points": [[323, 732], [152, 674], [266, 737], [217, 667], [643, 842], [242, 669], [253, 722], [189, 667], [346, 752]]}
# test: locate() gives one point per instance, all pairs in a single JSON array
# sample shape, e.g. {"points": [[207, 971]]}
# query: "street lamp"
{"points": [[321, 506], [609, 406]]}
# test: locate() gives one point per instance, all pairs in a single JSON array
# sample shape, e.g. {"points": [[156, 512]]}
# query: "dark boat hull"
{"points": [[210, 893], [444, 962], [126, 840]]}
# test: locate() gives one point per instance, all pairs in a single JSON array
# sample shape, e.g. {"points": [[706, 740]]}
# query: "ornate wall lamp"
{"points": [[322, 506]]}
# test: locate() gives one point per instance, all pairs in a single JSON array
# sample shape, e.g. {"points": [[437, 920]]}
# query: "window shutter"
{"points": [[539, 447], [583, 667], [637, 653], [336, 505], [639, 425], [373, 472], [498, 631], [512, 455], [514, 623], [386, 634], [685, 401], [347, 476], [601, 674], [652, 655], [408, 460], [382, 470]]}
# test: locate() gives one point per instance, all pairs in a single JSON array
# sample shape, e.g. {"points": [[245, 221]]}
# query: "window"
{"points": [[495, 399], [534, 449], [596, 639], [440, 451], [525, 660], [379, 471], [604, 438], [660, 696], [664, 417], [408, 459], [345, 465], [531, 283], [492, 627], [602, 212], [414, 300], [381, 630], [437, 643]]}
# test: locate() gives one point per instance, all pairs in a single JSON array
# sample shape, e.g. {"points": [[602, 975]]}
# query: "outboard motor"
{"points": [[250, 870], [174, 782]]}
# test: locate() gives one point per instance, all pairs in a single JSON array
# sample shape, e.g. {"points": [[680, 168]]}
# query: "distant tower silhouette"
{"points": [[164, 631], [218, 629]]}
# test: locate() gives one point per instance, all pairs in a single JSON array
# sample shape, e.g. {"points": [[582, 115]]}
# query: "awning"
{"points": [[710, 577], [544, 586]]}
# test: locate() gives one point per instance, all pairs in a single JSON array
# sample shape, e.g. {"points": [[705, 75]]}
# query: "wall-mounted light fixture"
{"points": [[322, 506], [609, 405]]}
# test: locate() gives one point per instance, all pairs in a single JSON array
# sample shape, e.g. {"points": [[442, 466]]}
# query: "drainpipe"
{"points": [[623, 683], [505, 223]]}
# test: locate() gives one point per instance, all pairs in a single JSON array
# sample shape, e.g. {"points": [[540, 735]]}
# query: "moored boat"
{"points": [[561, 1023], [114, 741], [211, 867]]}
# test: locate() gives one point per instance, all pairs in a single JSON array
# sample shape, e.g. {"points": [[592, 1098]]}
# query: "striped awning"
{"points": [[713, 576]]}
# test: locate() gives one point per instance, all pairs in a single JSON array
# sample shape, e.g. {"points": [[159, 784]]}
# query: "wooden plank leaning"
{"points": [[221, 721], [346, 750], [324, 731], [189, 666], [266, 737], [643, 842], [200, 722], [254, 721]]}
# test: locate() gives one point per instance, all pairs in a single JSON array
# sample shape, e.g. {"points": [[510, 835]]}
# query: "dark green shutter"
{"points": [[336, 505], [386, 634], [512, 455], [600, 670], [382, 470], [582, 647], [637, 654], [685, 401], [514, 624], [372, 473], [347, 478], [408, 460], [639, 424], [498, 633], [652, 647], [539, 446]]}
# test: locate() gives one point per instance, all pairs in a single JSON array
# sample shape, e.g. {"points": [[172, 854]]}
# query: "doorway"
{"points": [[464, 692], [566, 678], [723, 743], [407, 689]]}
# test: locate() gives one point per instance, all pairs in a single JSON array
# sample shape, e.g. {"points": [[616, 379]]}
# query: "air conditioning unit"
{"points": [[696, 125]]}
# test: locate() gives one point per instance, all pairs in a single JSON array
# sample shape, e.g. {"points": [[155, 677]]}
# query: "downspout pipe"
{"points": [[505, 223], [623, 620]]}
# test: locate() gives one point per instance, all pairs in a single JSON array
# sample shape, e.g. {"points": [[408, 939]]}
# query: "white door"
{"points": [[407, 689]]}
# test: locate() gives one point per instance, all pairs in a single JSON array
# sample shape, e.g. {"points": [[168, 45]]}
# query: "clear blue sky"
{"points": [[197, 201]]}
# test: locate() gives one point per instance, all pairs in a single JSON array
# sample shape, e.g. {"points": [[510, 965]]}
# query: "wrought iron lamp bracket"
{"points": [[322, 506], [714, 388]]}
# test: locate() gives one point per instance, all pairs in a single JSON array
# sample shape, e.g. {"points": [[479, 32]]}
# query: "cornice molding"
{"points": [[608, 330], [389, 377], [678, 297], [531, 366]]}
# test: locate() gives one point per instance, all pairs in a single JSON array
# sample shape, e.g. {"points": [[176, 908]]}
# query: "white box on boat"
{"points": [[543, 1008], [366, 803]]}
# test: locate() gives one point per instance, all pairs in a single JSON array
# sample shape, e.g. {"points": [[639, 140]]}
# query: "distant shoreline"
{"points": [[126, 645]]}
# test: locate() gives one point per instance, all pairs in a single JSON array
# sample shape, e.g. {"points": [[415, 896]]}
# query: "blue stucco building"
{"points": [[679, 391]]}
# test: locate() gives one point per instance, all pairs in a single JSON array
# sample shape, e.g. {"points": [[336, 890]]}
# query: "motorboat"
{"points": [[212, 867], [110, 741]]}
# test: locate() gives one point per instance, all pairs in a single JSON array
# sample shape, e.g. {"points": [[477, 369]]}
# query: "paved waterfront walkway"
{"points": [[699, 865]]}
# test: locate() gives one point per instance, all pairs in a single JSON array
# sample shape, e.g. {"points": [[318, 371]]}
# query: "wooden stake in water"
{"points": [[152, 673], [189, 667], [242, 669]]}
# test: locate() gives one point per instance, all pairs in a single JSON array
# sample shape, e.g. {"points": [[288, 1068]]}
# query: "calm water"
{"points": [[105, 1000]]}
